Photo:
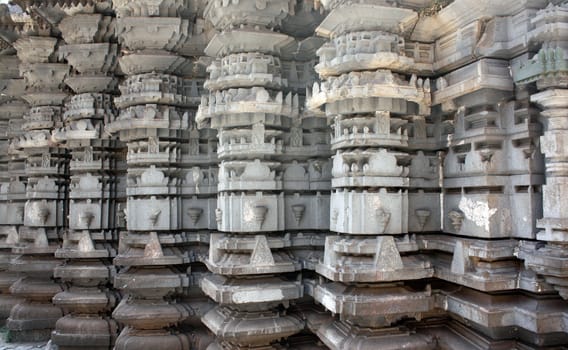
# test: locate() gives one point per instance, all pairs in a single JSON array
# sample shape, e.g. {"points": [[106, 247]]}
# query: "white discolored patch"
{"points": [[477, 212]]}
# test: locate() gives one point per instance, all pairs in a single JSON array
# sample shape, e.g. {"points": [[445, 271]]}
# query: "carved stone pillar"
{"points": [[550, 260], [548, 68], [45, 208], [306, 163], [199, 173], [376, 176], [12, 179], [91, 239], [492, 177], [264, 162], [156, 121]]}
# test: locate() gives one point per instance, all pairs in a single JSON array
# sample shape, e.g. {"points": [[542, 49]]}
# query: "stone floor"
{"points": [[26, 346], [4, 345]]}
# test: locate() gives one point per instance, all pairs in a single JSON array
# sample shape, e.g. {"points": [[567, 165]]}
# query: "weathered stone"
{"points": [[381, 185]]}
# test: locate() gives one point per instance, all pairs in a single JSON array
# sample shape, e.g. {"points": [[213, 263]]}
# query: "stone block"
{"points": [[87, 28], [370, 50], [253, 143], [42, 213], [358, 92], [148, 62], [374, 306], [72, 331], [356, 260], [249, 176], [152, 33], [199, 213], [250, 212], [152, 214], [307, 211], [266, 14], [424, 209], [370, 168], [244, 70], [366, 16], [368, 212], [244, 328], [226, 291], [85, 215], [341, 335], [91, 59], [153, 8], [485, 74], [247, 255]]}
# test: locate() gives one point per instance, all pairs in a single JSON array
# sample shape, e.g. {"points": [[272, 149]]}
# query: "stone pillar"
{"points": [[46, 191], [255, 278], [548, 68], [156, 112], [306, 166], [492, 175], [12, 183], [306, 162], [91, 240], [372, 94], [199, 174]]}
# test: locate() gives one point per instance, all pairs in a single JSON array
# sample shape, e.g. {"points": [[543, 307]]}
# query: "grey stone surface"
{"points": [[284, 174]]}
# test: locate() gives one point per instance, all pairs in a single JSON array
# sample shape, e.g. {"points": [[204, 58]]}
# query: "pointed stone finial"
{"points": [[261, 255], [155, 216], [387, 257], [259, 212], [456, 217], [383, 218], [43, 215], [423, 215], [460, 260], [85, 242], [153, 248], [298, 210], [85, 218], [194, 214]]}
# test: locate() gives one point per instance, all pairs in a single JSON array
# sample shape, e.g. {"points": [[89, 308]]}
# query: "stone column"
{"points": [[306, 165], [373, 95], [156, 112], [46, 191], [257, 116], [199, 173], [306, 162], [548, 68], [91, 240], [492, 173], [12, 183]]}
